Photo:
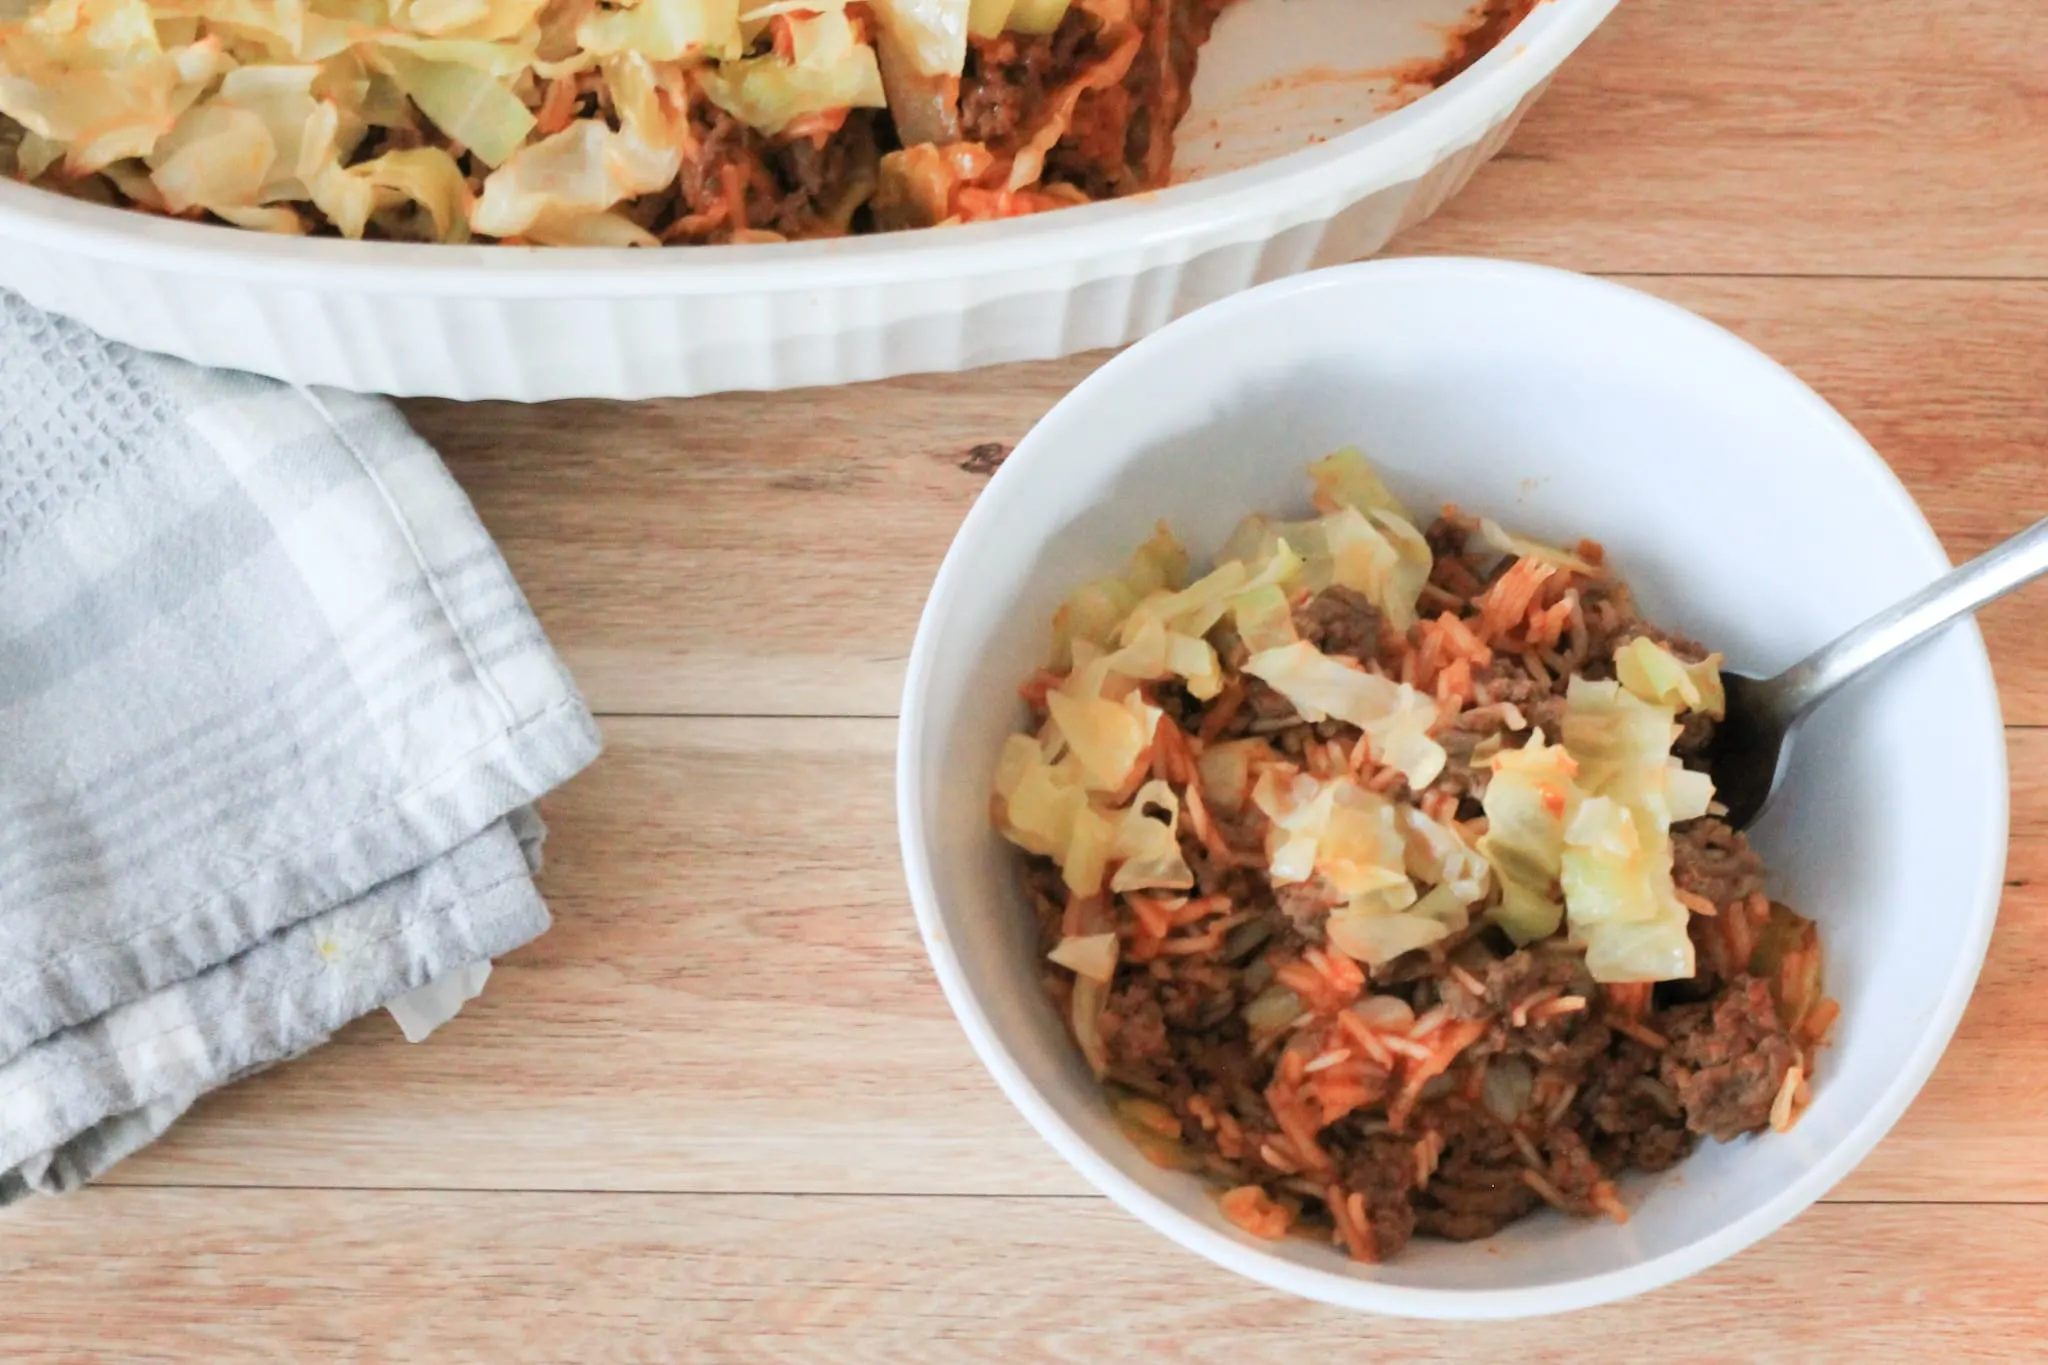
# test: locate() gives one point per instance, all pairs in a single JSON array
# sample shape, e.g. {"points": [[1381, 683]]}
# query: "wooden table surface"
{"points": [[721, 1113]]}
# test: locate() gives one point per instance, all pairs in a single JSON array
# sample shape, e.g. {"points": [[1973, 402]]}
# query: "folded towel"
{"points": [[272, 717]]}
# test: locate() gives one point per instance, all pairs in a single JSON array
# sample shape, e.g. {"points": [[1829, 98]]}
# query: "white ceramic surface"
{"points": [[1294, 168], [1746, 513]]}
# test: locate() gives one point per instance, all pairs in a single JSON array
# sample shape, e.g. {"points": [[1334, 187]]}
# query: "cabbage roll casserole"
{"points": [[595, 122], [1379, 877]]}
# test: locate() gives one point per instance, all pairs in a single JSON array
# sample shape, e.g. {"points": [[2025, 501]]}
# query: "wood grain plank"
{"points": [[269, 1275], [745, 553], [769, 554], [1753, 136], [734, 998]]}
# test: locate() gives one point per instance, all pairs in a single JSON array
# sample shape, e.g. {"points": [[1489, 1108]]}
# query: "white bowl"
{"points": [[525, 323], [1745, 511]]}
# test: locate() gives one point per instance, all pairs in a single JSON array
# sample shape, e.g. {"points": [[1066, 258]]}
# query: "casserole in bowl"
{"points": [[1563, 407]]}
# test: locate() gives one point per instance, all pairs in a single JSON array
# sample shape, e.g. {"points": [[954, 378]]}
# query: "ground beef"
{"points": [[1609, 614], [1004, 86], [1215, 878], [1159, 83], [1463, 776], [1512, 978], [1338, 620], [1709, 944], [1506, 682], [1187, 1006], [1466, 765], [1566, 1043], [824, 185], [1447, 536], [1383, 1168], [1709, 859], [1262, 703], [1654, 1148], [1570, 1167], [1134, 1026], [1635, 1117], [1562, 1043], [1507, 679], [1173, 698], [1043, 880], [1727, 1059], [1295, 739], [1695, 738], [1307, 904], [1477, 1188], [718, 140]]}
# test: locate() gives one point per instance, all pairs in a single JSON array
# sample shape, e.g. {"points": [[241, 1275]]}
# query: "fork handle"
{"points": [[1986, 578]]}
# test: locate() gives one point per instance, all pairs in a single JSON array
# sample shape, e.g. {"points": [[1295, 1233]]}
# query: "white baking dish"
{"points": [[1287, 167]]}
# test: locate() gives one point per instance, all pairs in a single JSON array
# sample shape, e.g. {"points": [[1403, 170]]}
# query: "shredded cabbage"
{"points": [[469, 105], [1376, 938], [1359, 851], [1336, 830], [987, 18], [1227, 772], [1520, 547], [831, 71], [1085, 1016], [1147, 850], [1345, 478], [1381, 556], [1037, 16], [1607, 874], [1438, 855], [1264, 618], [1195, 609], [1364, 541], [1582, 831], [1043, 806], [1620, 898], [426, 176], [1358, 844], [1039, 798], [664, 30], [932, 34], [1623, 746], [1656, 675], [1109, 739], [1618, 884], [1290, 800], [545, 189], [258, 112], [1257, 537], [1090, 955], [96, 78], [922, 45], [218, 159], [1527, 801], [1095, 610], [1394, 715]]}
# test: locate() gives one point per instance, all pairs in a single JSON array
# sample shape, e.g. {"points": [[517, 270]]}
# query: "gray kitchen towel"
{"points": [[272, 717]]}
